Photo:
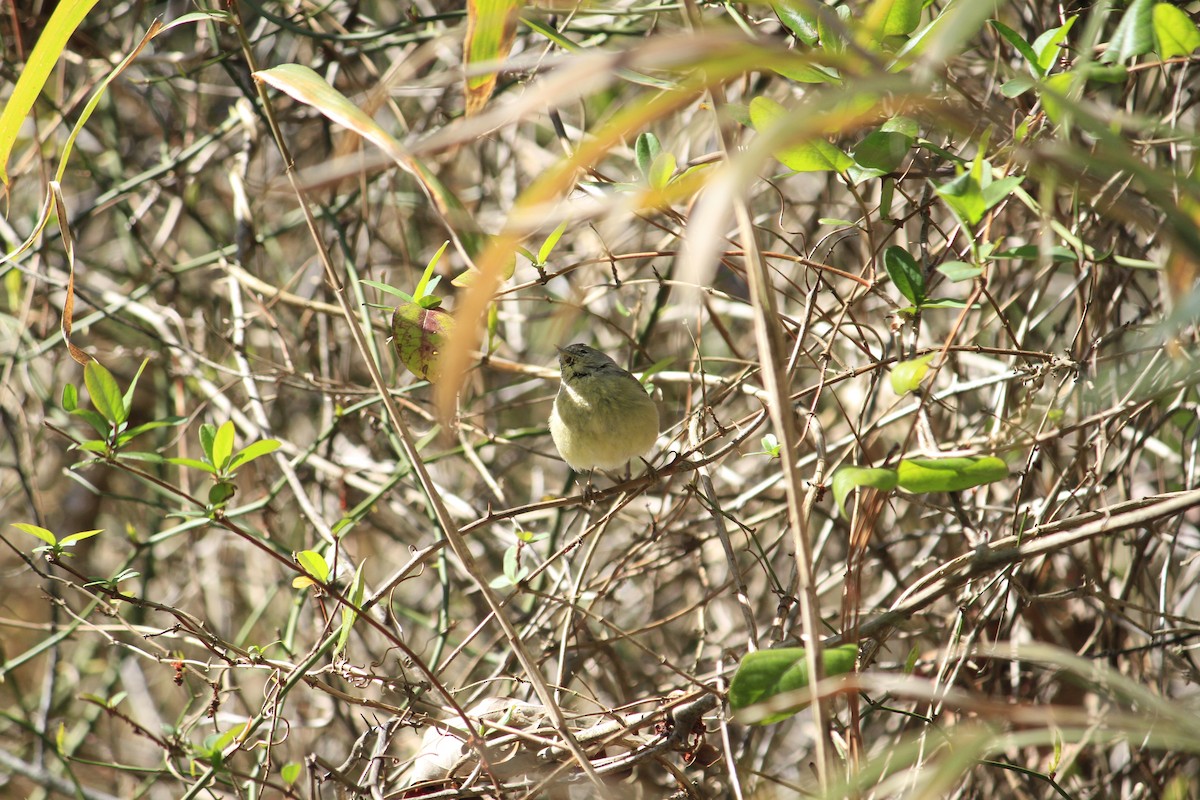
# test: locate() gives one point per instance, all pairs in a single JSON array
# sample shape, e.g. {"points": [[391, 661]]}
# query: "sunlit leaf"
{"points": [[849, 478], [1174, 32], [920, 475], [906, 376], [1134, 35], [32, 76], [959, 270], [36, 530], [104, 392], [814, 155], [222, 447], [767, 674], [491, 26], [418, 335], [905, 273], [893, 17], [314, 564]]}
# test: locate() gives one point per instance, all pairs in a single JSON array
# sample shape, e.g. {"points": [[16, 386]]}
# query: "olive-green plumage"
{"points": [[602, 415]]}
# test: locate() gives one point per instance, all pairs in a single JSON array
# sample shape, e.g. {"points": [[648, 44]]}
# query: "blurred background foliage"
{"points": [[832, 239]]}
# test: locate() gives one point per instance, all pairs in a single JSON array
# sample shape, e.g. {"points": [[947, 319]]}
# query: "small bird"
{"points": [[602, 415]]}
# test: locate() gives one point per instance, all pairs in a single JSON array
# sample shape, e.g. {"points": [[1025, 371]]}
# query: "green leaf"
{"points": [[646, 149], [290, 772], [879, 153], [208, 432], [997, 190], [1032, 252], [491, 28], [79, 537], [942, 303], [893, 17], [766, 674], [221, 493], [1174, 32], [661, 171], [70, 395], [251, 452], [105, 394], [383, 287], [814, 155], [99, 424], [349, 614], [127, 398], [798, 17], [959, 270], [1047, 45], [921, 475], [847, 479], [314, 564], [905, 274], [964, 197], [31, 77], [153, 424], [424, 286], [222, 446], [551, 242], [418, 336], [38, 531], [1134, 35], [906, 376], [203, 466], [1023, 47]]}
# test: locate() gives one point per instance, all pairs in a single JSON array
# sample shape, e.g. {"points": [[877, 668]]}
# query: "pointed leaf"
{"points": [[814, 155], [33, 74], [1017, 41], [253, 451], [428, 280], [208, 432], [349, 614], [959, 270], [905, 274], [765, 674], [203, 466], [1134, 34], [314, 564], [551, 241], [127, 398], [921, 475], [418, 335], [491, 27], [1047, 45], [661, 171], [70, 395], [222, 447], [104, 392], [1174, 32], [79, 537], [645, 150], [38, 531], [847, 479]]}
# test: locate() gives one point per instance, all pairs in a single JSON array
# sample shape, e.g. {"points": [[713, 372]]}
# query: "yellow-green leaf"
{"points": [[419, 334], [32, 77], [1174, 32], [491, 27], [920, 475], [906, 376]]}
